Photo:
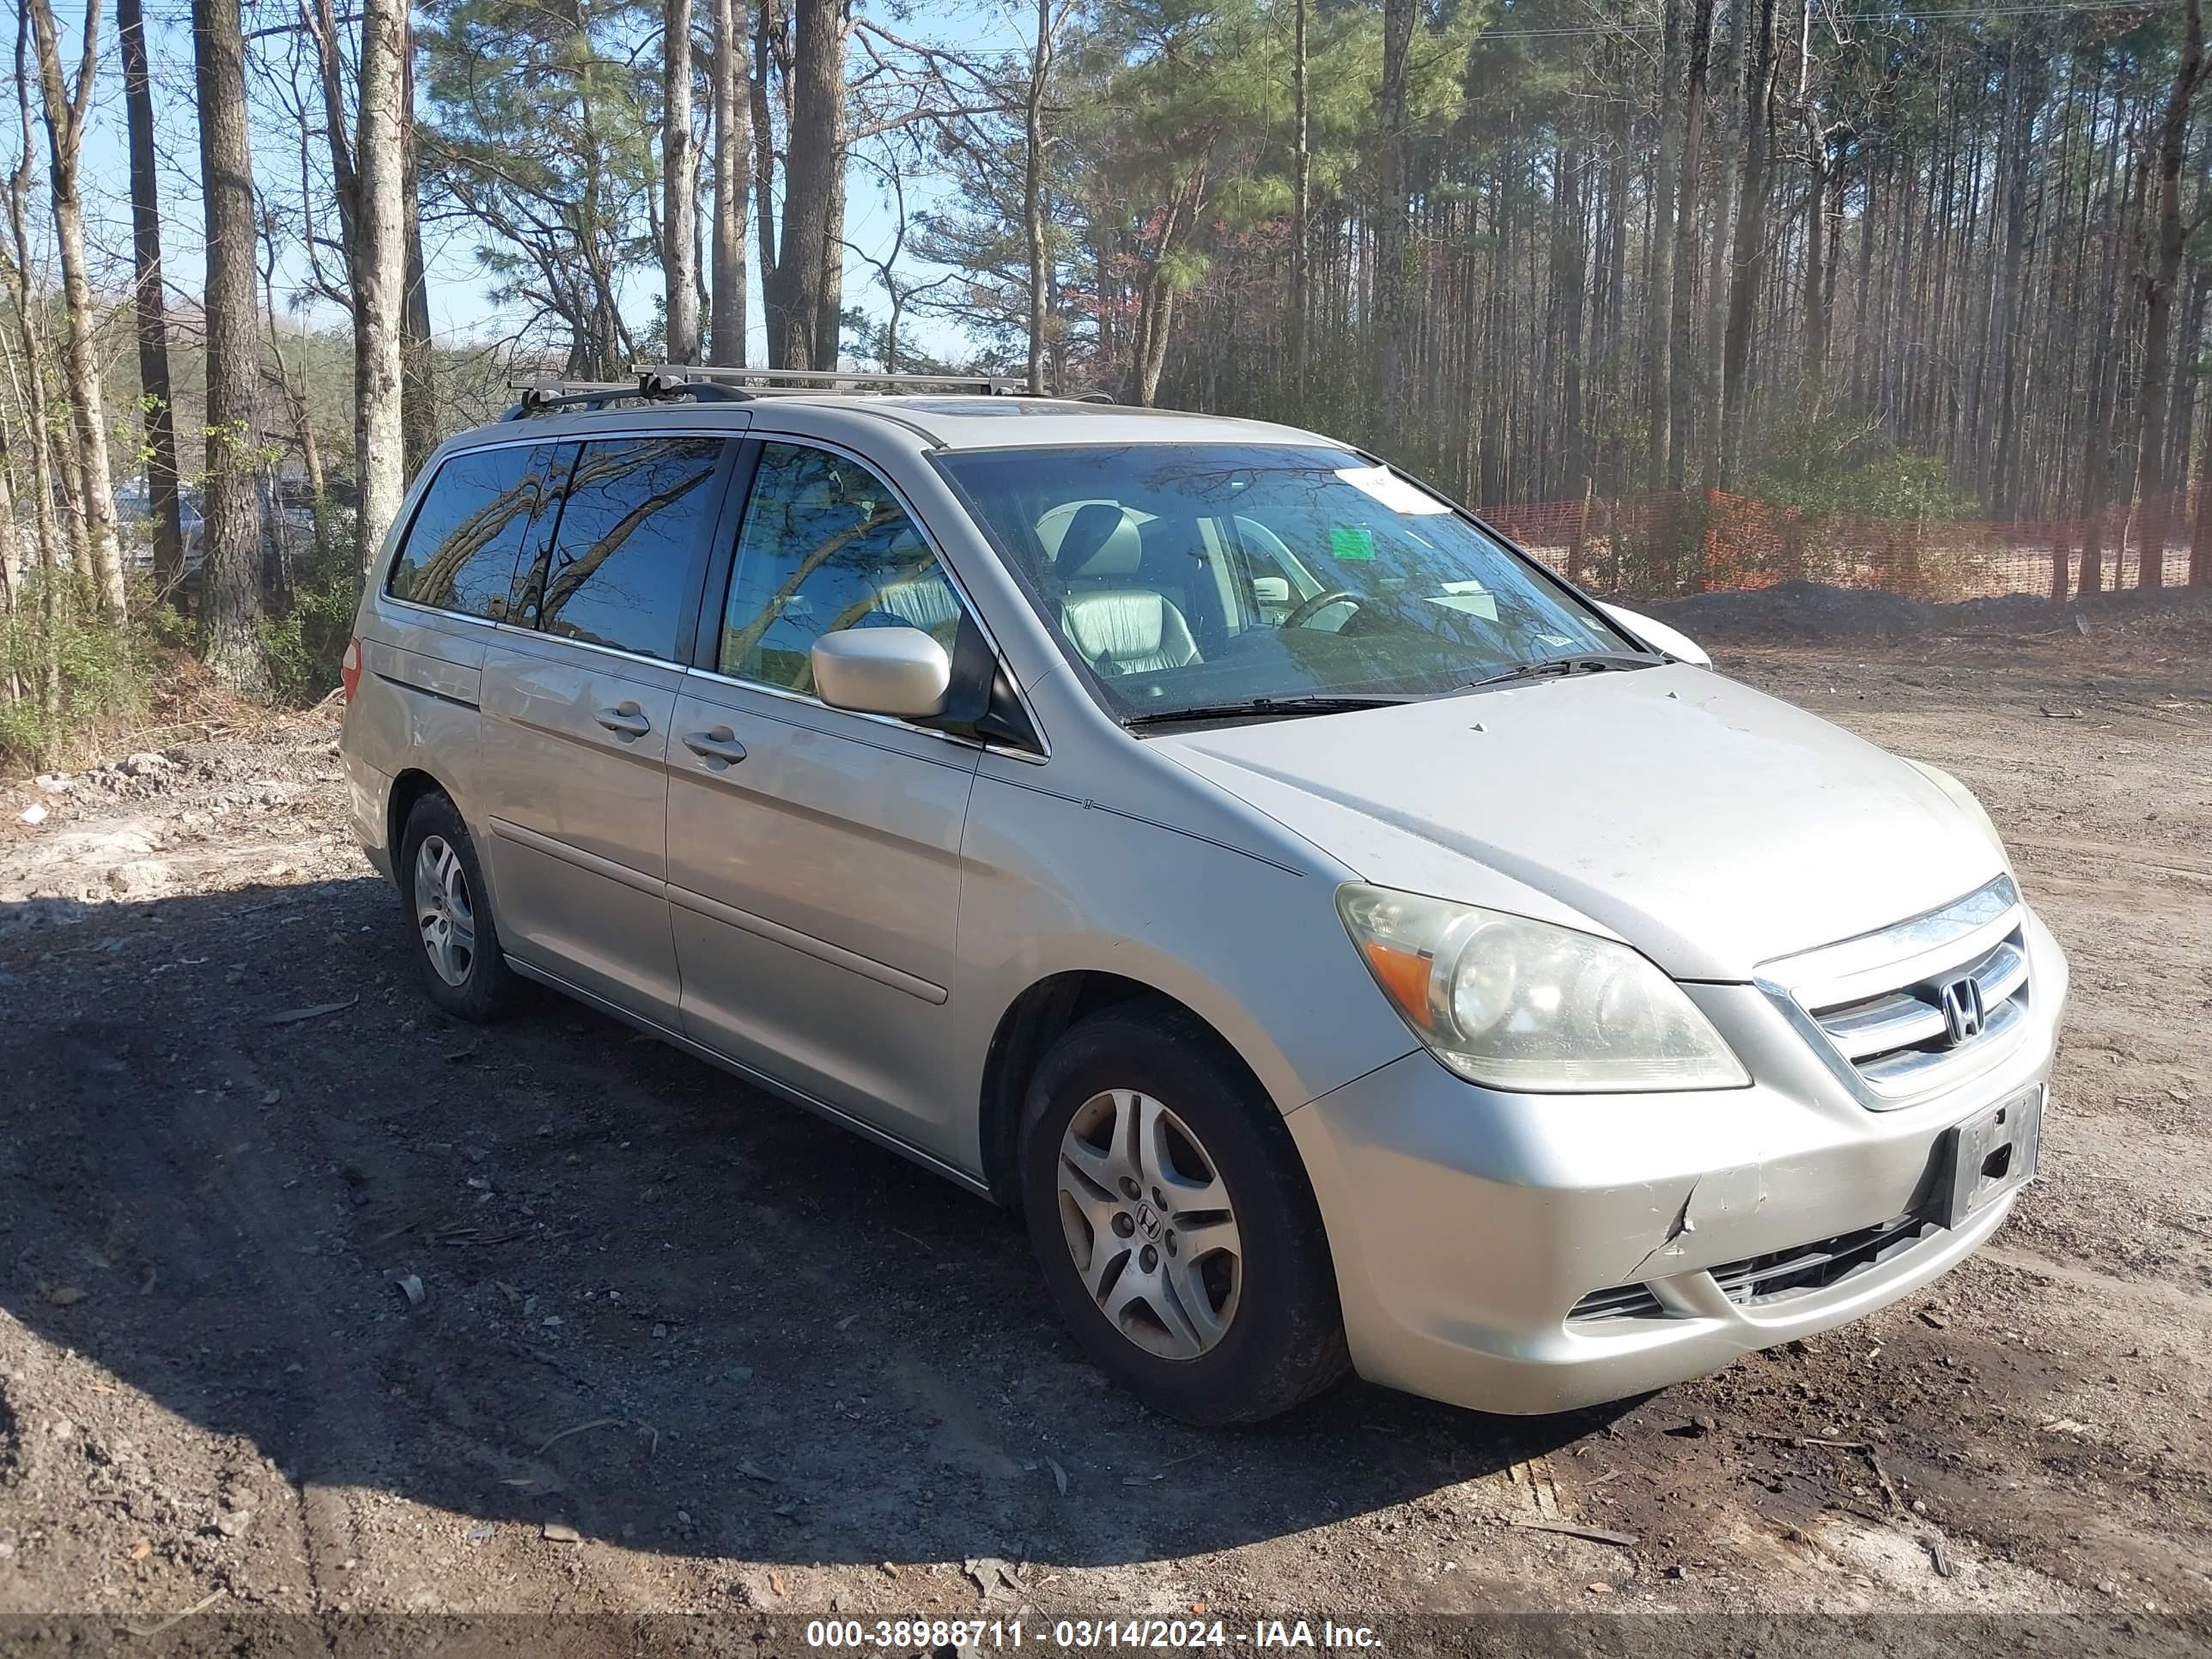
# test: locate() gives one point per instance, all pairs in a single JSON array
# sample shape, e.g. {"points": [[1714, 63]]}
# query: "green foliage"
{"points": [[303, 646], [543, 120], [104, 673], [1824, 461]]}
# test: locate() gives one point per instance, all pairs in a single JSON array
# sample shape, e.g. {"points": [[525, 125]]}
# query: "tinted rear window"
{"points": [[460, 552], [637, 517]]}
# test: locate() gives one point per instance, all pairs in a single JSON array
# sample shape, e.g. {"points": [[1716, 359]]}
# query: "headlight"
{"points": [[1517, 1004]]}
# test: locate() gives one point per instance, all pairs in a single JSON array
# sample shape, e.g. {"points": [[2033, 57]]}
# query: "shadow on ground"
{"points": [[658, 1306]]}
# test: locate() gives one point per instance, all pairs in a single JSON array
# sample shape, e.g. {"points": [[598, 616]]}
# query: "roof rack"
{"points": [[702, 383], [758, 382], [651, 386]]}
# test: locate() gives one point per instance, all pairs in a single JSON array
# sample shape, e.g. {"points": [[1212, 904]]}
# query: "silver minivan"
{"points": [[1351, 946]]}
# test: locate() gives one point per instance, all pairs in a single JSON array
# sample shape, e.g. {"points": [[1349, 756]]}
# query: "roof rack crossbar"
{"points": [[831, 379], [547, 398]]}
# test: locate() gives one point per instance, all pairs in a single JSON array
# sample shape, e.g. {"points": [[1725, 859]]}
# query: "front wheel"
{"points": [[1173, 1222]]}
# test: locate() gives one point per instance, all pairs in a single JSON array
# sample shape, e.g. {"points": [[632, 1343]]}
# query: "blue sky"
{"points": [[462, 308]]}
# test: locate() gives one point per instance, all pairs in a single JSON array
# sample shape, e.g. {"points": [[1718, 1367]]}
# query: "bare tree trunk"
{"points": [[733, 178], [1681, 383], [319, 19], [1814, 368], [1393, 282], [28, 384], [11, 545], [67, 109], [2097, 467], [231, 577], [2024, 89], [1301, 206], [1659, 303], [830, 298], [771, 43], [810, 188], [2151, 481], [418, 403], [1750, 256], [2200, 541], [1569, 255], [379, 278], [680, 184], [1158, 312], [148, 305], [1706, 392], [1033, 225], [299, 408], [28, 380]]}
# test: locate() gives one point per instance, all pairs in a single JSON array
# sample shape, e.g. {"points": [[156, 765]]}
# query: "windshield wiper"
{"points": [[1262, 708], [1587, 662]]}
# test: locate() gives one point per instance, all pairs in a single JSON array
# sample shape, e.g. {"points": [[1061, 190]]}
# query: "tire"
{"points": [[457, 948], [1254, 1326]]}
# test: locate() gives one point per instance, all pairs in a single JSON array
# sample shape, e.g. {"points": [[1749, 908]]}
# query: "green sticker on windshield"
{"points": [[1350, 542]]}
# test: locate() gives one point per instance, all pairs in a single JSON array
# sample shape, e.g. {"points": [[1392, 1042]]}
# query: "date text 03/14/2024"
{"points": [[1085, 1635]]}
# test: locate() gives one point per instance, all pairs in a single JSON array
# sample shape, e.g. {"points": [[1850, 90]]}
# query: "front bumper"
{"points": [[1468, 1224]]}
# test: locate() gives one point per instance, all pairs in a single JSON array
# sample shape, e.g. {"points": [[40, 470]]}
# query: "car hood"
{"points": [[1712, 827]]}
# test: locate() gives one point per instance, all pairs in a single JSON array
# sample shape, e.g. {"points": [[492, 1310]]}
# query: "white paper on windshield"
{"points": [[1393, 491], [1469, 597]]}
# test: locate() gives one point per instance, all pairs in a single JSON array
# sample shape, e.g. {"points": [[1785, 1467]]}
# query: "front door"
{"points": [[814, 855], [577, 714]]}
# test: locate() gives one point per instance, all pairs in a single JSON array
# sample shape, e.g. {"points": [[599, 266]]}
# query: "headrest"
{"points": [[1099, 541]]}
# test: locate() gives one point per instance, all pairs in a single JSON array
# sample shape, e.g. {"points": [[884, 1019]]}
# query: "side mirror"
{"points": [[881, 670], [1658, 635]]}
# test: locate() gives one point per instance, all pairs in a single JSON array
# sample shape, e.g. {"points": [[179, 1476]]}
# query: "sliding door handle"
{"points": [[720, 744]]}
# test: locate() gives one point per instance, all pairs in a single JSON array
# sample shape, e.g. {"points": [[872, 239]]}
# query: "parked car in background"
{"points": [[1352, 947], [134, 506]]}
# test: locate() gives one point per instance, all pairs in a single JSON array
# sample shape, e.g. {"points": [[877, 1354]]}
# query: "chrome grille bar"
{"points": [[1883, 1003]]}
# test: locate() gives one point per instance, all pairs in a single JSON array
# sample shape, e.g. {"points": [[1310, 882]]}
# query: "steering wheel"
{"points": [[1309, 609]]}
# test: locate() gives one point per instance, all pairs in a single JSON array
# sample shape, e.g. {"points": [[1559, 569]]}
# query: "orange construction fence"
{"points": [[1700, 541]]}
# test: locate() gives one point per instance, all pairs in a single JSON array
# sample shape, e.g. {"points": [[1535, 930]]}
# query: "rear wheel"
{"points": [[1173, 1222], [457, 941]]}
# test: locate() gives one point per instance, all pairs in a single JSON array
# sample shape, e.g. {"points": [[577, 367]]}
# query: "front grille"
{"points": [[1759, 1281], [1905, 1009], [1897, 1037]]}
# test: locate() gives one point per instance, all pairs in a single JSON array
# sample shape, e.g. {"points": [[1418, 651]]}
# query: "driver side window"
{"points": [[825, 546]]}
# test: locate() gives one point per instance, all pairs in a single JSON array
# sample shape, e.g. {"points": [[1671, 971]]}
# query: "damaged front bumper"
{"points": [[1537, 1253]]}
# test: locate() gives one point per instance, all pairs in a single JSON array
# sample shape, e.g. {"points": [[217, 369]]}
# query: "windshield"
{"points": [[1196, 576]]}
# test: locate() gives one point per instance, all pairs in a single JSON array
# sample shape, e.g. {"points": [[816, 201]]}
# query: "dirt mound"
{"points": [[1795, 611]]}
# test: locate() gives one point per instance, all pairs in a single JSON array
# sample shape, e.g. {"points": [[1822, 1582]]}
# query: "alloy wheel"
{"points": [[444, 911], [1149, 1225]]}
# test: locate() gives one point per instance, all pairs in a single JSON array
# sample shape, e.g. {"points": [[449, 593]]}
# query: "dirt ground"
{"points": [[684, 1350]]}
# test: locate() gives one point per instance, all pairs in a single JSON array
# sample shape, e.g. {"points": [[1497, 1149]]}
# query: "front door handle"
{"points": [[720, 744], [628, 720]]}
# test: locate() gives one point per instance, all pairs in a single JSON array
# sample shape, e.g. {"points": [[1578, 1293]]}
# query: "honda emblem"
{"points": [[1963, 1015]]}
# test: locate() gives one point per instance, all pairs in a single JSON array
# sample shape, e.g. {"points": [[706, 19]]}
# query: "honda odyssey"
{"points": [[1351, 947]]}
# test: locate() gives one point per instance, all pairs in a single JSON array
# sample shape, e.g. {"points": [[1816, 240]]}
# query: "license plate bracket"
{"points": [[1992, 1153]]}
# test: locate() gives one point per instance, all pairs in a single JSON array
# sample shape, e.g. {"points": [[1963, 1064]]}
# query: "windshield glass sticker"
{"points": [[1354, 541], [1393, 491]]}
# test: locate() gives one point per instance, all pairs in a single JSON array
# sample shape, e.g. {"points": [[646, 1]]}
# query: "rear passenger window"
{"points": [[460, 552], [636, 520], [825, 546]]}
